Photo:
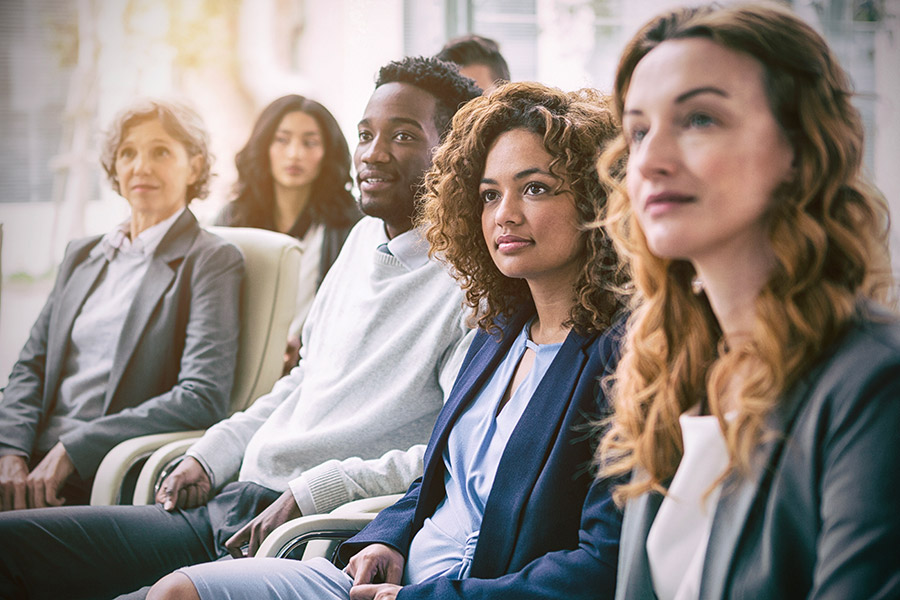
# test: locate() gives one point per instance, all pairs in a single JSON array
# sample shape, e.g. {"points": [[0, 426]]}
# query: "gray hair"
{"points": [[179, 120]]}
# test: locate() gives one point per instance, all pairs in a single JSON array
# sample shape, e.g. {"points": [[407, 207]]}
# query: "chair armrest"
{"points": [[144, 488], [107, 484], [374, 504], [297, 532]]}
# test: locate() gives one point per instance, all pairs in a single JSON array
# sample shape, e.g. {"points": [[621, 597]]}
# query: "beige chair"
{"points": [[272, 268], [322, 534]]}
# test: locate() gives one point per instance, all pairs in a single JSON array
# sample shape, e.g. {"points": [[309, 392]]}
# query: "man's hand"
{"points": [[376, 563], [253, 533], [47, 479], [13, 475], [375, 591], [187, 486], [291, 355]]}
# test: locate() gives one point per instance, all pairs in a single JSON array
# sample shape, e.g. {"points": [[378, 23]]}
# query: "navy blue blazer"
{"points": [[549, 529]]}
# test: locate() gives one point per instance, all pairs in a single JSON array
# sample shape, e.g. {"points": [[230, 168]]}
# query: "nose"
{"points": [[141, 163], [374, 151], [509, 210], [295, 149], [657, 154]]}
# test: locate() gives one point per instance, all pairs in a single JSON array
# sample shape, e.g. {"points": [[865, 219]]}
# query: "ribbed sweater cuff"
{"points": [[324, 487]]}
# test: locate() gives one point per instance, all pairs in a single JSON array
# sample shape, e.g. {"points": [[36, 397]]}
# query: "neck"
{"points": [[553, 304], [394, 229], [141, 221], [732, 292], [289, 203]]}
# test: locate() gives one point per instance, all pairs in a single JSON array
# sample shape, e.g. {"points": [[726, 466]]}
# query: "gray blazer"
{"points": [[174, 362], [822, 518]]}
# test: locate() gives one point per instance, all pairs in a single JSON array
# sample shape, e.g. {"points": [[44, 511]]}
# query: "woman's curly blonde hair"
{"points": [[574, 127], [828, 229]]}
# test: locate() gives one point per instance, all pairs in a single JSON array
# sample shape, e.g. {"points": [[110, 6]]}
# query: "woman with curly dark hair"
{"points": [[294, 178], [506, 507]]}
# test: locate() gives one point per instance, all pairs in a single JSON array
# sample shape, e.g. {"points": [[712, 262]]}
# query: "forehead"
{"points": [[149, 128], [678, 66], [514, 149], [393, 101], [299, 121]]}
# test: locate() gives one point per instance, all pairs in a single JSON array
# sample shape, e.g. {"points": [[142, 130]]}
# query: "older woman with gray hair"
{"points": [[139, 334]]}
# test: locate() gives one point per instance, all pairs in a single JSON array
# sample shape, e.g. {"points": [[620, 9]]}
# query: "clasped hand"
{"points": [[39, 488], [377, 571], [187, 486]]}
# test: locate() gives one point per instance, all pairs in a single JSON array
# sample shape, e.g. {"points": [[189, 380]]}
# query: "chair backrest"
{"points": [[268, 301]]}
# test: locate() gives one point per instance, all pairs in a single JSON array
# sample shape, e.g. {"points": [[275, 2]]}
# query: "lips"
{"points": [[511, 243], [143, 187], [294, 170], [664, 201], [374, 181]]}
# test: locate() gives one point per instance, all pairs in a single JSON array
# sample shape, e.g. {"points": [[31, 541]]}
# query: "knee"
{"points": [[176, 586]]}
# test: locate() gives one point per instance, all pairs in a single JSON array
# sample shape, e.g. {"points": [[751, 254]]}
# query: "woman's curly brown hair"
{"points": [[574, 126]]}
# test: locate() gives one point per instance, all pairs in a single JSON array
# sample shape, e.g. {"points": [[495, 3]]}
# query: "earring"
{"points": [[697, 285]]}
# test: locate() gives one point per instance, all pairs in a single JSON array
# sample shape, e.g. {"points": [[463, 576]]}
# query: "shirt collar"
{"points": [[144, 244], [410, 248]]}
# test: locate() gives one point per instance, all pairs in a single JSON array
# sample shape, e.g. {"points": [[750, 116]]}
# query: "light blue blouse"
{"points": [[445, 545]]}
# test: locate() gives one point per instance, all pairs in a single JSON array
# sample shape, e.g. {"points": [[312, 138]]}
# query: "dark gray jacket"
{"points": [[174, 362], [821, 518]]}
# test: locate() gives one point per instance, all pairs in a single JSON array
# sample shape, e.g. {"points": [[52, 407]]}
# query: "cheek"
{"points": [[487, 225], [317, 158]]}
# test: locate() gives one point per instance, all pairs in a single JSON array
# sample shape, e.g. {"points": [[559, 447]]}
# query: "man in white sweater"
{"points": [[381, 347]]}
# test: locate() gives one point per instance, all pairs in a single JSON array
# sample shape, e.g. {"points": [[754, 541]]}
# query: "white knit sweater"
{"points": [[381, 347]]}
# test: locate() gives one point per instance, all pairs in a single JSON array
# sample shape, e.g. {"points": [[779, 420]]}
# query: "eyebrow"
{"points": [[153, 141], [404, 120], [684, 97], [291, 132], [519, 175]]}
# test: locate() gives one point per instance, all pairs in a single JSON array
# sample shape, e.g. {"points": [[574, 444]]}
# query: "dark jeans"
{"points": [[103, 551]]}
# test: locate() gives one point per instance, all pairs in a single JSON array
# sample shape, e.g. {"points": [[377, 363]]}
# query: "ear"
{"points": [[196, 168]]}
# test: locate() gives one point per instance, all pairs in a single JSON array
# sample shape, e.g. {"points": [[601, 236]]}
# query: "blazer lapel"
{"points": [[524, 456], [160, 273], [75, 292], [470, 382], [633, 580], [740, 495]]}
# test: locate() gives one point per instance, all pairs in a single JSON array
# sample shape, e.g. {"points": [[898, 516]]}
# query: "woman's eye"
{"points": [[489, 195], [365, 136], [700, 120], [126, 153], [635, 136], [403, 137], [162, 152], [284, 141], [312, 143], [535, 189]]}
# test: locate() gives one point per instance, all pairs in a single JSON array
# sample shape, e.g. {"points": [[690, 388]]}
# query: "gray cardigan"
{"points": [[173, 365], [821, 518]]}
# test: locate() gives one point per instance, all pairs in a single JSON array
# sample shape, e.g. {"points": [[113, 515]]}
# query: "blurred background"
{"points": [[67, 66]]}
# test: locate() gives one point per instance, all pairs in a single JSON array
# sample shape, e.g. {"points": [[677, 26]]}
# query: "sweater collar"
{"points": [[410, 248]]}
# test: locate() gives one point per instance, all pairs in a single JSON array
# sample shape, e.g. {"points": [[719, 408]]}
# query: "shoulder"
{"points": [[76, 252], [870, 344], [860, 374]]}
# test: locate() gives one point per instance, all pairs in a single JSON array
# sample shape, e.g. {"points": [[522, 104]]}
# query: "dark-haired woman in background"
{"points": [[757, 402], [293, 177]]}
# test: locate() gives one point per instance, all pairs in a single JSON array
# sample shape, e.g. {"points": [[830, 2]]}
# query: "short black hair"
{"points": [[474, 49], [437, 77]]}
